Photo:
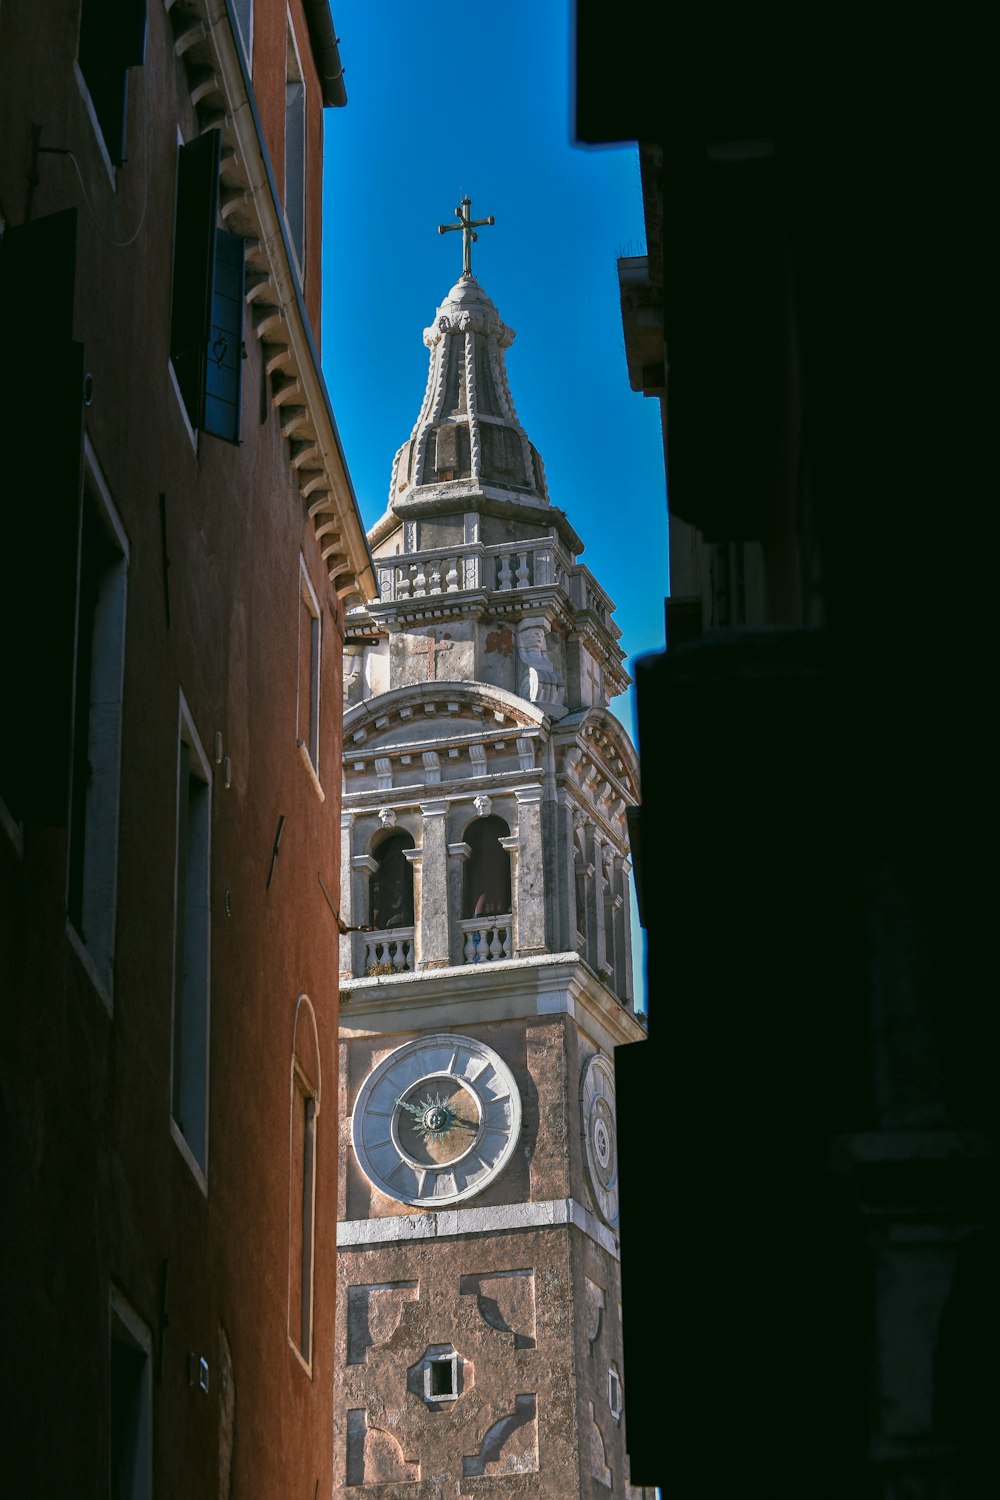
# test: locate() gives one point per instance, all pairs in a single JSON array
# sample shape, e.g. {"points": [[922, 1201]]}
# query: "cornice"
{"points": [[221, 98], [557, 984]]}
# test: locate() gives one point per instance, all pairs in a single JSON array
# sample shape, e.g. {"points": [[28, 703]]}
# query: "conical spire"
{"points": [[467, 438]]}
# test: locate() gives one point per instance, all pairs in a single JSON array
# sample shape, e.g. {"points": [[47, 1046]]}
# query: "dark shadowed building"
{"points": [[819, 1080]]}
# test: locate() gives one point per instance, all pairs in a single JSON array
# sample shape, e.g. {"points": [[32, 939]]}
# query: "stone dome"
{"points": [[467, 438]]}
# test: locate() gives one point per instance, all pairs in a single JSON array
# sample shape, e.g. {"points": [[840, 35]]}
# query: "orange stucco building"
{"points": [[184, 540]]}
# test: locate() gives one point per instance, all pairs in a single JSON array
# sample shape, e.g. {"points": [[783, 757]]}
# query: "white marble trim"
{"points": [[543, 1215]]}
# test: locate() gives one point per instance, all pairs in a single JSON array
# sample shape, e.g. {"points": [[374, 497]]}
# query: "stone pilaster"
{"points": [[432, 908], [529, 901]]}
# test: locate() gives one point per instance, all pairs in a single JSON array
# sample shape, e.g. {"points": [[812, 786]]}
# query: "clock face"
{"points": [[600, 1136], [436, 1120]]}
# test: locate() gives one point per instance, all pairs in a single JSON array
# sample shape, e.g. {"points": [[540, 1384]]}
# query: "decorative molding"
{"points": [[548, 1213]]}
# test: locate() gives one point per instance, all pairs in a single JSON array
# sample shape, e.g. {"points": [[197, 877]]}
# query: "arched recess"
{"points": [[390, 888], [305, 1090], [487, 890]]}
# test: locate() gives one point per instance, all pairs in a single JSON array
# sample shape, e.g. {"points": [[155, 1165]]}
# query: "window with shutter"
{"points": [[112, 40], [206, 320]]}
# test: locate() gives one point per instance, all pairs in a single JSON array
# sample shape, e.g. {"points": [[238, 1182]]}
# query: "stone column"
{"points": [[624, 867], [564, 853], [363, 866], [457, 855], [529, 900], [432, 865], [596, 946], [346, 896]]}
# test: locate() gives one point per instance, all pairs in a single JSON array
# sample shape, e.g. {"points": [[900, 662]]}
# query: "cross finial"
{"points": [[468, 226]]}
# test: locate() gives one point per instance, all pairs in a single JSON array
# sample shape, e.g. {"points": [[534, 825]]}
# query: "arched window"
{"points": [[487, 870], [305, 1092], [391, 888]]}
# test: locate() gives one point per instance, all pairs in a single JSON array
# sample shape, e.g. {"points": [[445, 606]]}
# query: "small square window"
{"points": [[441, 1379]]}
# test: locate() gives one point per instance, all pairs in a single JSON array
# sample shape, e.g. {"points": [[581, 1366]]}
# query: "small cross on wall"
{"points": [[468, 226], [430, 647]]}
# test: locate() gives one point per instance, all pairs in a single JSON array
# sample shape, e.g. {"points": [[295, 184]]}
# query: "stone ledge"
{"points": [[548, 1214]]}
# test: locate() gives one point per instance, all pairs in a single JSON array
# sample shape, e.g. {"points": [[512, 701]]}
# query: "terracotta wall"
{"points": [[101, 1202]]}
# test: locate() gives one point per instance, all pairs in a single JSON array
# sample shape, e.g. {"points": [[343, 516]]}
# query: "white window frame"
{"points": [[243, 15], [312, 646], [303, 1204], [296, 100], [93, 935], [195, 993]]}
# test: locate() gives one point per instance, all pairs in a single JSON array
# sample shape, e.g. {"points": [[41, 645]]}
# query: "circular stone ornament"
{"points": [[436, 1121], [600, 1135]]}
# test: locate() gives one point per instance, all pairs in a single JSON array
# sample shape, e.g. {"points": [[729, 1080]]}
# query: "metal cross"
{"points": [[468, 226], [430, 649]]}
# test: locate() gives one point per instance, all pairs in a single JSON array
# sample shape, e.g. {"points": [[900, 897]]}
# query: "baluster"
{"points": [[522, 569], [399, 956], [471, 947], [496, 951], [451, 576], [507, 934], [504, 572], [403, 583], [420, 579], [435, 576]]}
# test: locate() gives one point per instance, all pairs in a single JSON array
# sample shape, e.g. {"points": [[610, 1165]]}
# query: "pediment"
{"points": [[593, 743], [431, 712]]}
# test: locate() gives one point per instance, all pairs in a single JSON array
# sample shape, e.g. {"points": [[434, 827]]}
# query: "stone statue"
{"points": [[540, 682]]}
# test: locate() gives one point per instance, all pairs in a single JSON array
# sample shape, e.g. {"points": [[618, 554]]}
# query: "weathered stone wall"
{"points": [[502, 1307]]}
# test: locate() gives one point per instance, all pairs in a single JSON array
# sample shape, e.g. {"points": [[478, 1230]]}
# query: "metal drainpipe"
{"points": [[326, 53]]}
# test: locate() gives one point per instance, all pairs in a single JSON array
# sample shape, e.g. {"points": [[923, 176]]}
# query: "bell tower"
{"points": [[485, 967]]}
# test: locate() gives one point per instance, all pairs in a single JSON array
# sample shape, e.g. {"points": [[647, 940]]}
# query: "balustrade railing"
{"points": [[499, 569], [388, 952], [485, 939]]}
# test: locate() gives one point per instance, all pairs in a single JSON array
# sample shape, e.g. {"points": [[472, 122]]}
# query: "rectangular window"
{"points": [[206, 316], [131, 1404], [295, 152], [97, 725], [192, 946], [303, 1209], [37, 291], [243, 11], [310, 655], [112, 40]]}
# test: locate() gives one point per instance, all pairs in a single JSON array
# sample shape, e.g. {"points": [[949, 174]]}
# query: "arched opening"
{"points": [[391, 886], [389, 943], [487, 870]]}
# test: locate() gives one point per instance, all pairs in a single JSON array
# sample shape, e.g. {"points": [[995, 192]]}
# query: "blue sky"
{"points": [[447, 99]]}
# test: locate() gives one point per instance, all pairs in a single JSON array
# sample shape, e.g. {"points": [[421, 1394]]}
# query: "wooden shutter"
{"points": [[224, 363]]}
